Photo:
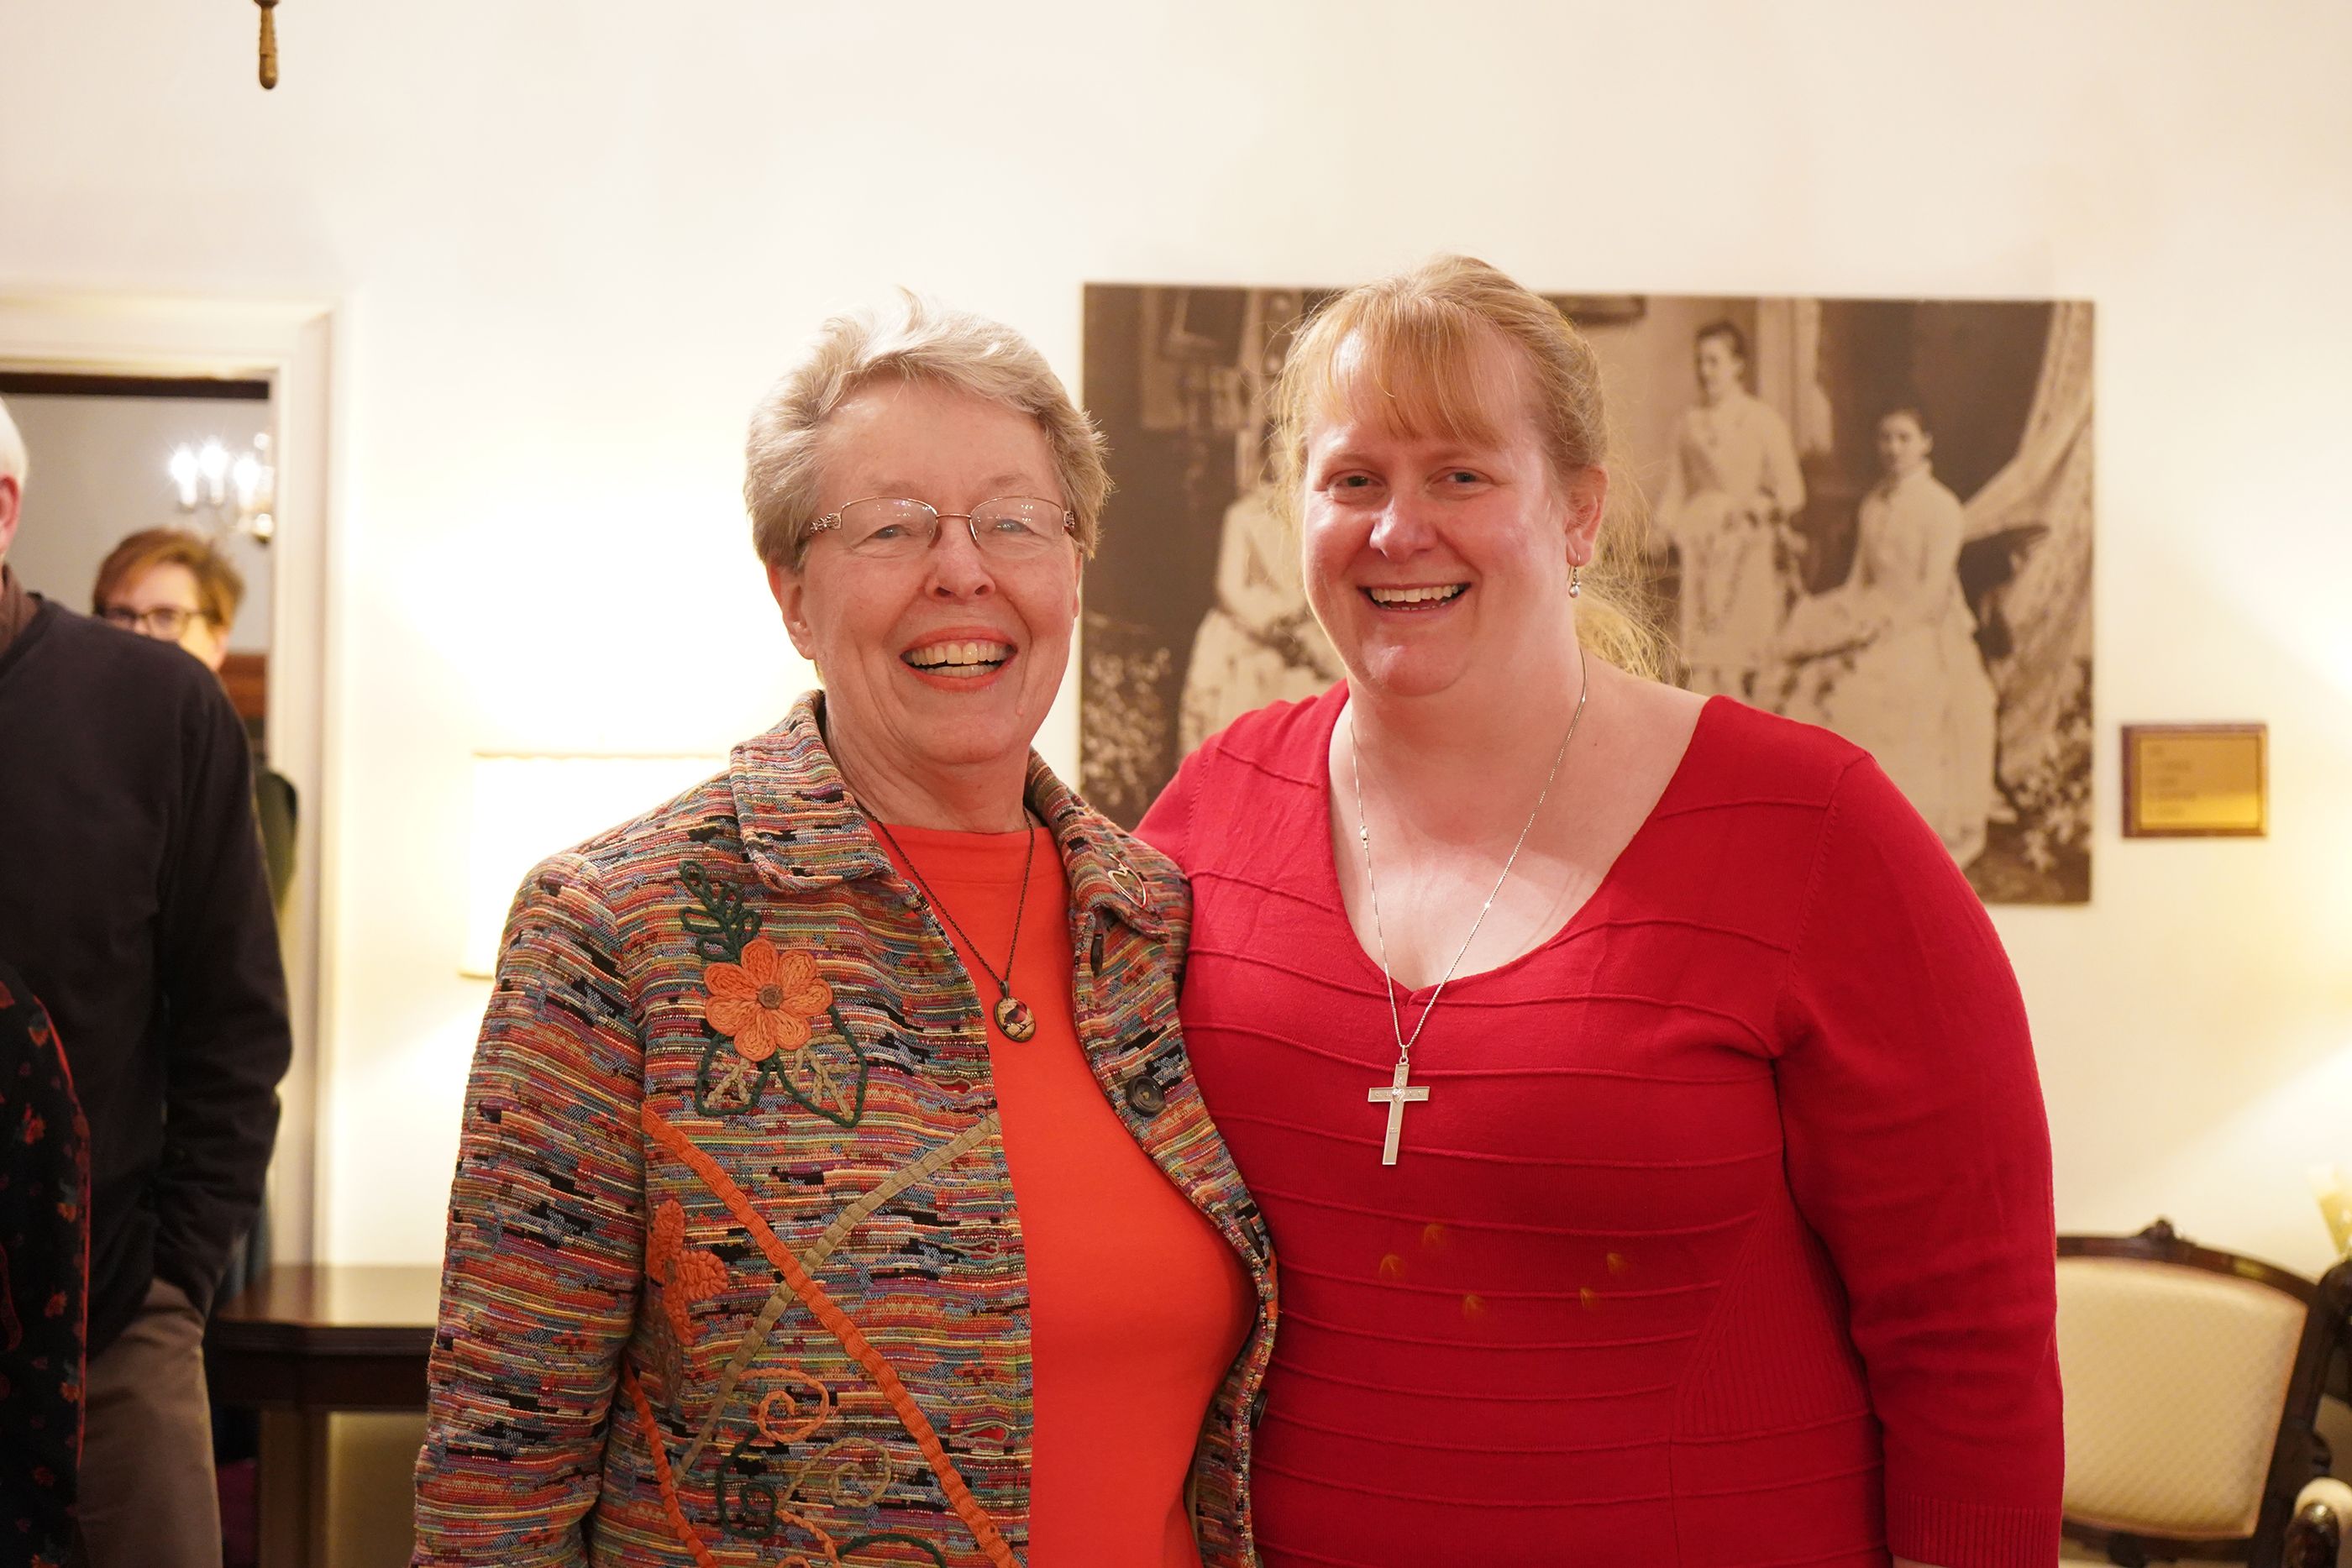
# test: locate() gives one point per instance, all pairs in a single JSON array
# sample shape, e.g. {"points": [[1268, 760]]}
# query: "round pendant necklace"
{"points": [[1014, 1019], [1396, 1094]]}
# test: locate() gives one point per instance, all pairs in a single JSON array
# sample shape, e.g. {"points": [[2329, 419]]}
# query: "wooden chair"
{"points": [[2193, 1379]]}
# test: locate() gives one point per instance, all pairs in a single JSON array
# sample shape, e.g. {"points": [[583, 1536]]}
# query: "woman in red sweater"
{"points": [[1639, 1099]]}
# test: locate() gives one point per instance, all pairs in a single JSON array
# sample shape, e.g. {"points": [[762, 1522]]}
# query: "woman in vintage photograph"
{"points": [[1258, 642], [1730, 491], [833, 1186], [1640, 1102], [1889, 658]]}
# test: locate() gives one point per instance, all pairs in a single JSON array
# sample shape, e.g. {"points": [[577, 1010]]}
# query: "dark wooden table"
{"points": [[305, 1341]]}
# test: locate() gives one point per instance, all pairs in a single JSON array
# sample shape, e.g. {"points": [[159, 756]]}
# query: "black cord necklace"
{"points": [[1014, 1019]]}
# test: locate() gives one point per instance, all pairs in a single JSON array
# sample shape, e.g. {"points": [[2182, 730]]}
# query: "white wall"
{"points": [[574, 241]]}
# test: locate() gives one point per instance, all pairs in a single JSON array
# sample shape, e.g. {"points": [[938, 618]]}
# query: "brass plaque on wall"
{"points": [[2195, 780]]}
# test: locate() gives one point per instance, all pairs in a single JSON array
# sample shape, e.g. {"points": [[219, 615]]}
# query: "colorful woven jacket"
{"points": [[734, 1272]]}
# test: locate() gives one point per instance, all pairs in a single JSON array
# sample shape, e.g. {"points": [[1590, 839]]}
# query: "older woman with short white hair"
{"points": [[834, 1187]]}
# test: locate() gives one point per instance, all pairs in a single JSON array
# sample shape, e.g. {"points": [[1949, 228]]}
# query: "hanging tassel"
{"points": [[268, 42]]}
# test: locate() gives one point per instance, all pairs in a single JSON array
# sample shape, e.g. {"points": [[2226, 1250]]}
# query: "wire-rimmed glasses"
{"points": [[897, 528], [164, 622]]}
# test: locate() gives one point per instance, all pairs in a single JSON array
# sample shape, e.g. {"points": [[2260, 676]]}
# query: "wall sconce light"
{"points": [[528, 808], [237, 493]]}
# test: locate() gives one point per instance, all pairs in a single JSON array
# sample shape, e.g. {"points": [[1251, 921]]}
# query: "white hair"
{"points": [[919, 342], [12, 461]]}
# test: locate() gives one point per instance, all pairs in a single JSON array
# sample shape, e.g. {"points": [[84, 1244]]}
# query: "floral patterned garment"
{"points": [[43, 1279], [734, 1272]]}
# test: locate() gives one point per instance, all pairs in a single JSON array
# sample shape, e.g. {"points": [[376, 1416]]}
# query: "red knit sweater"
{"points": [[1724, 1236]]}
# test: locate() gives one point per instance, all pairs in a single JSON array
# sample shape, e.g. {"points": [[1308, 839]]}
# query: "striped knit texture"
{"points": [[1723, 1237], [633, 1190]]}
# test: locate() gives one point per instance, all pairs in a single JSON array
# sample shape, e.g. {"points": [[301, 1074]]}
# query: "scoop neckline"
{"points": [[1328, 868]]}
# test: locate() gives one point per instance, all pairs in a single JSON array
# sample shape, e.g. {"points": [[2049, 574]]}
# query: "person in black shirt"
{"points": [[134, 902]]}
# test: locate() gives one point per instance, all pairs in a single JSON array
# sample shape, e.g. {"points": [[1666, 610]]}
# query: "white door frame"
{"points": [[288, 344]]}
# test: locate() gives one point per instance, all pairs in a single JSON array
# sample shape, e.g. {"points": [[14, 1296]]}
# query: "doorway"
{"points": [[119, 455], [106, 389]]}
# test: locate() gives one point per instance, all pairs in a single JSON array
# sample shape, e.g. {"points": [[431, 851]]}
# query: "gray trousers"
{"points": [[148, 1497]]}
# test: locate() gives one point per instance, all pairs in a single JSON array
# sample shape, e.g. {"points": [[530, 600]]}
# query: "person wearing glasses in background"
{"points": [[177, 587], [833, 1184], [173, 587], [134, 903]]}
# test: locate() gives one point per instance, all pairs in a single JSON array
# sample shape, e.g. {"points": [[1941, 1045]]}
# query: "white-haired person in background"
{"points": [[832, 1186], [136, 906]]}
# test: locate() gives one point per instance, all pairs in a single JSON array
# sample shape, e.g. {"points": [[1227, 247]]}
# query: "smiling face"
{"points": [[946, 663], [1432, 557]]}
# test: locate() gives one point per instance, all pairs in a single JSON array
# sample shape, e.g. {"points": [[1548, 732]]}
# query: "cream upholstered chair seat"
{"points": [[2192, 1381], [2174, 1381], [2315, 1538]]}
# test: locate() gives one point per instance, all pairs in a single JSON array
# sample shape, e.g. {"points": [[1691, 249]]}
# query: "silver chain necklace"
{"points": [[1396, 1092]]}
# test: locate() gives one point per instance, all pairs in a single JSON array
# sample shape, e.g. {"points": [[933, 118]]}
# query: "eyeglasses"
{"points": [[890, 528], [164, 622]]}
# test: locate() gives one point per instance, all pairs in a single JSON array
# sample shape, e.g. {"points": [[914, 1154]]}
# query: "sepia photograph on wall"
{"points": [[1871, 515]]}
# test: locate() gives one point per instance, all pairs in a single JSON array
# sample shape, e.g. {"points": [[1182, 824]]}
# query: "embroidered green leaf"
{"points": [[827, 1075], [726, 920], [726, 1082]]}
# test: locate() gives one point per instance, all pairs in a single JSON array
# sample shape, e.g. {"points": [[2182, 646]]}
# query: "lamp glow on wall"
{"points": [[238, 492], [528, 808]]}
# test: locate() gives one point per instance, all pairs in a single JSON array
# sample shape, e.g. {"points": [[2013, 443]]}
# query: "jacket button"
{"points": [[1257, 1408], [1144, 1094]]}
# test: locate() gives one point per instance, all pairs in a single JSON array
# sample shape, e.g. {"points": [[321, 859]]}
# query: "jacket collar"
{"points": [[1103, 881], [803, 830]]}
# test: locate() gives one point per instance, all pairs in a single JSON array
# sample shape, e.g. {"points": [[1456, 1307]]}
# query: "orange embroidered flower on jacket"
{"points": [[687, 1274], [764, 1003]]}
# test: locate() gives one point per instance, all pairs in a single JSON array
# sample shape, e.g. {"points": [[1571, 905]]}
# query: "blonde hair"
{"points": [[1419, 338], [220, 587], [784, 459]]}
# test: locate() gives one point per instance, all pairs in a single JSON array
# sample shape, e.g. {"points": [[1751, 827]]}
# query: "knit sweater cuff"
{"points": [[1948, 1533]]}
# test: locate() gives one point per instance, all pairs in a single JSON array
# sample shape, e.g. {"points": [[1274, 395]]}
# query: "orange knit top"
{"points": [[1137, 1306]]}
